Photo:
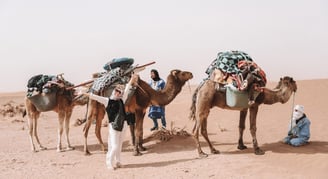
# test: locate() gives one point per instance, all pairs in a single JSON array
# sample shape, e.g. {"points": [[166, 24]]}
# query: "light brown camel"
{"points": [[143, 97], [62, 101], [206, 96]]}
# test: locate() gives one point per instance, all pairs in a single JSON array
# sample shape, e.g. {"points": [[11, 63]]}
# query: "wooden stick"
{"points": [[147, 64], [91, 81], [82, 84]]}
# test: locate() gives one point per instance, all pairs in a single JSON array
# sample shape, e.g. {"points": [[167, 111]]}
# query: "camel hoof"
{"points": [[87, 153], [104, 149], [202, 155], [242, 147], [60, 150], [70, 148], [137, 154], [43, 148], [142, 148], [259, 151], [214, 151]]}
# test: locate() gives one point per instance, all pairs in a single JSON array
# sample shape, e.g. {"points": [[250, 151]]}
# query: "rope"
{"points": [[189, 86], [291, 117]]}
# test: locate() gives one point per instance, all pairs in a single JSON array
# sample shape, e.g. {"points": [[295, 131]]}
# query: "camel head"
{"points": [[180, 77], [286, 87], [287, 82]]}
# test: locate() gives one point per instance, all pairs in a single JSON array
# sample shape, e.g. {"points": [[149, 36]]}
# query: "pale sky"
{"points": [[77, 37]]}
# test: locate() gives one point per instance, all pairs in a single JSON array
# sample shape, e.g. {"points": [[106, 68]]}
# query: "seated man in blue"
{"points": [[156, 112], [299, 133]]}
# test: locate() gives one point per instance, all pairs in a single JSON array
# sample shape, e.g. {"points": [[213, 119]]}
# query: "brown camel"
{"points": [[206, 96], [62, 101], [143, 97], [146, 96]]}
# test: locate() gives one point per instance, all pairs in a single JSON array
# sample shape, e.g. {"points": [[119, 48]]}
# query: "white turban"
{"points": [[298, 112]]}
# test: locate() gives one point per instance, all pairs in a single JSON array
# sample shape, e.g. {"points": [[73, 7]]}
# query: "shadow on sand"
{"points": [[313, 147]]}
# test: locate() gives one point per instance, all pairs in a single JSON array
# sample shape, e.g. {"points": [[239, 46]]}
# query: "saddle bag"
{"points": [[236, 98]]}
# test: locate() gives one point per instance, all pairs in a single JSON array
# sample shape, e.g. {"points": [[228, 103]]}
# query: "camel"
{"points": [[61, 101], [206, 97], [143, 97]]}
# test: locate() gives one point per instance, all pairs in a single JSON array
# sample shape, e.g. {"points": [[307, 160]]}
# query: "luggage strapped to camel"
{"points": [[46, 84], [230, 69], [230, 65]]}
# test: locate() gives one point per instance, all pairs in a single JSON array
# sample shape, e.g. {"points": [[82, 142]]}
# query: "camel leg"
{"points": [[253, 113], [141, 147], [205, 135], [35, 130], [60, 130], [202, 106], [201, 123], [99, 119], [136, 151], [138, 133], [196, 138], [30, 119], [30, 132], [86, 131], [91, 115], [67, 120], [242, 118]]}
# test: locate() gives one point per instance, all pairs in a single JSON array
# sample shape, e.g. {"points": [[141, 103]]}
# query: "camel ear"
{"points": [[174, 73]]}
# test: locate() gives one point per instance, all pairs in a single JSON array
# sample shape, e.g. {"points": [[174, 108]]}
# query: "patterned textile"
{"points": [[228, 62], [114, 75]]}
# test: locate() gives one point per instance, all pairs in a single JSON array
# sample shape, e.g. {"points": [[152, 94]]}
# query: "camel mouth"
{"points": [[191, 76]]}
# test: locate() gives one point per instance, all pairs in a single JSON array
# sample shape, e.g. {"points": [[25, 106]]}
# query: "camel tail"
{"points": [[192, 115], [24, 113]]}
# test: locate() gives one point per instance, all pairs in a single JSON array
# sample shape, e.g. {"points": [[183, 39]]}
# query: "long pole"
{"points": [[91, 81], [291, 117]]}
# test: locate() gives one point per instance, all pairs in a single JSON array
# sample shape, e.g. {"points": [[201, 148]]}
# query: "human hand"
{"points": [[81, 91]]}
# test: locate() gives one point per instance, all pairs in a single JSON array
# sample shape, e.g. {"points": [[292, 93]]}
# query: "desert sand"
{"points": [[176, 158]]}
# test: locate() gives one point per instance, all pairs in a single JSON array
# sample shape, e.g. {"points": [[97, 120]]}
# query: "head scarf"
{"points": [[298, 112]]}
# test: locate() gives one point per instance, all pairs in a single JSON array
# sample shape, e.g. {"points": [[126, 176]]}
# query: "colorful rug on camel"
{"points": [[228, 62]]}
